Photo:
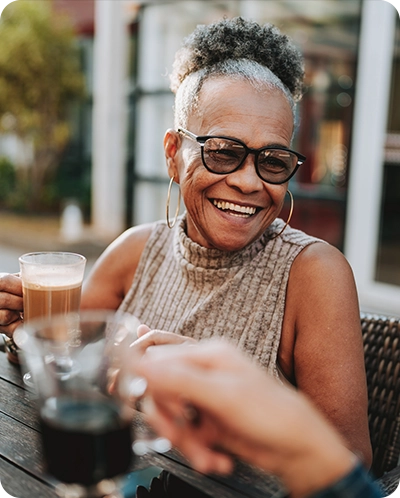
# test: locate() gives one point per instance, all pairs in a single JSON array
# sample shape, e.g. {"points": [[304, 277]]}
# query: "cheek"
{"points": [[191, 158], [189, 165], [193, 175], [191, 187], [277, 193]]}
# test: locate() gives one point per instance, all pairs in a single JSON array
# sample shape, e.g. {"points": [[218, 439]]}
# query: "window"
{"points": [[372, 240], [388, 252], [327, 33]]}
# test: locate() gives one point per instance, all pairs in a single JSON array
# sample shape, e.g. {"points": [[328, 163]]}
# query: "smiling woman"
{"points": [[230, 266], [251, 117]]}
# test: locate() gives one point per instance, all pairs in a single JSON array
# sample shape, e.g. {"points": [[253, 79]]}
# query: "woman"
{"points": [[229, 266], [230, 396]]}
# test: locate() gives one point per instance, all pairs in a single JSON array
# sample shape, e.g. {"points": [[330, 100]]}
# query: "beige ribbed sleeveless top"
{"points": [[182, 287]]}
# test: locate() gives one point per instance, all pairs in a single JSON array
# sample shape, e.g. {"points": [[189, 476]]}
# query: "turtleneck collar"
{"points": [[214, 259]]}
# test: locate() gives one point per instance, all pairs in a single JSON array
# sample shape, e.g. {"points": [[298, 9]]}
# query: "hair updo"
{"points": [[238, 48]]}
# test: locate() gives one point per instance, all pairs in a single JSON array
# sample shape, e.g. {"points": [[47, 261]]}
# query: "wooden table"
{"points": [[21, 470], [22, 473]]}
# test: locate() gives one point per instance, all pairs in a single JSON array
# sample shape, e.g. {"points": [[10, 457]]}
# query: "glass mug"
{"points": [[51, 285], [76, 361]]}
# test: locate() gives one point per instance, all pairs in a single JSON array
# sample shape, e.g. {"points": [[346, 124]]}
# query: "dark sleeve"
{"points": [[356, 484]]}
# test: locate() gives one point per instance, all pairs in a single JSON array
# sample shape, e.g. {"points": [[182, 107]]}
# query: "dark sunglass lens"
{"points": [[222, 155], [276, 165]]}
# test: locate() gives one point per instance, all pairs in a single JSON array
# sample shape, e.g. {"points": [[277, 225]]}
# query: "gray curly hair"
{"points": [[240, 49]]}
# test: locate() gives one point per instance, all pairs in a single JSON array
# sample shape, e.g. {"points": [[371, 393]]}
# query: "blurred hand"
{"points": [[211, 402], [11, 302]]}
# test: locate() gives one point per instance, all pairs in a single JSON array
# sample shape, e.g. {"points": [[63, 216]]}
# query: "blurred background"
{"points": [[85, 102]]}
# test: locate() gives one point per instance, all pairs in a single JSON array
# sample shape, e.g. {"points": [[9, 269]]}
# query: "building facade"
{"points": [[347, 192]]}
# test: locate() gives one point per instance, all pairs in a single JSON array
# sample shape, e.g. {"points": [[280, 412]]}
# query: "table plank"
{"points": [[9, 371], [21, 446], [18, 403], [22, 485]]}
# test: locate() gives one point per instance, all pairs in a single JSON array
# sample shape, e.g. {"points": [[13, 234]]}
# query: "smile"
{"points": [[235, 209]]}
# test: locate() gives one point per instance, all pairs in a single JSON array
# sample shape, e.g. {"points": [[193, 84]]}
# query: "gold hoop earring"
{"points": [[169, 224], [289, 217]]}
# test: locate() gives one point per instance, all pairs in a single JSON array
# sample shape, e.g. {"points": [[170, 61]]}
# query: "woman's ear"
{"points": [[172, 142]]}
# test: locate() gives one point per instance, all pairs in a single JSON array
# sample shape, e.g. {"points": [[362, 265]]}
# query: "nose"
{"points": [[245, 178]]}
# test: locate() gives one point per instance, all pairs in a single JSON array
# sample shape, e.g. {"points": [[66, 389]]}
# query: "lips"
{"points": [[235, 209]]}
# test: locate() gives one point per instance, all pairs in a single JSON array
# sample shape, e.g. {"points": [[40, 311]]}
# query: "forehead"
{"points": [[235, 107]]}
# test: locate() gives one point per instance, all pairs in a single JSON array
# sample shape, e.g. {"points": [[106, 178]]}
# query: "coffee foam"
{"points": [[50, 286], [50, 277]]}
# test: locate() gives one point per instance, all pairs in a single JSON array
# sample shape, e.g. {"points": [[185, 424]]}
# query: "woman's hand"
{"points": [[148, 338], [211, 401], [11, 302]]}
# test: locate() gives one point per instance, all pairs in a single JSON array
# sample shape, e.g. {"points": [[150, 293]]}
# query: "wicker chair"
{"points": [[381, 336]]}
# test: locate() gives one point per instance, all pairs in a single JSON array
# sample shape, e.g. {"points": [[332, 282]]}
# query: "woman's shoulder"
{"points": [[314, 256], [321, 252], [321, 262]]}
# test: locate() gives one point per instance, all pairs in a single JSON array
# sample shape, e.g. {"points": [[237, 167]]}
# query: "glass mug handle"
{"points": [[134, 388]]}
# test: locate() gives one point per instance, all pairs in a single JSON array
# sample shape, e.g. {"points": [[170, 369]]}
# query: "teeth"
{"points": [[225, 206]]}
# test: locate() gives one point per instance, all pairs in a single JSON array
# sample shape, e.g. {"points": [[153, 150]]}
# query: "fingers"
{"points": [[151, 338], [9, 321], [112, 385], [213, 377], [11, 283], [191, 370], [11, 303], [10, 329], [147, 339], [205, 459], [142, 330], [160, 337], [213, 354], [196, 443]]}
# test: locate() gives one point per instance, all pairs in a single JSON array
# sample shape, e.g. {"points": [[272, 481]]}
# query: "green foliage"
{"points": [[7, 181], [73, 181], [18, 198], [39, 77]]}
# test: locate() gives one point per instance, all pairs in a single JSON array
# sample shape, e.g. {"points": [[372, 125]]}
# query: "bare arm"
{"points": [[321, 349], [112, 274]]}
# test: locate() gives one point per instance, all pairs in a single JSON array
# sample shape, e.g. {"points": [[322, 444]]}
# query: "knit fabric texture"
{"points": [[182, 287]]}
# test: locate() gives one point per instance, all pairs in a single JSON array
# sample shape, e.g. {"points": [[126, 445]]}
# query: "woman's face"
{"points": [[258, 118]]}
